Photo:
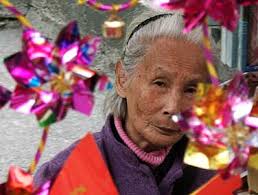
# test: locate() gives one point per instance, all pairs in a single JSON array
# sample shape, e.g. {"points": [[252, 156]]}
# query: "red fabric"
{"points": [[219, 186], [84, 172], [2, 189]]}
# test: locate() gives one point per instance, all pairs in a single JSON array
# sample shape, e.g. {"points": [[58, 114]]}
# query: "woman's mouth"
{"points": [[167, 131]]}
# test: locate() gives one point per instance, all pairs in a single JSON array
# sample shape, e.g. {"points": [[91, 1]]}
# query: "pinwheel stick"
{"points": [[40, 150], [208, 54], [23, 20]]}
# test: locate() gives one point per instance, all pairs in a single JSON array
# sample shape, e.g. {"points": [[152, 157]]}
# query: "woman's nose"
{"points": [[173, 104]]}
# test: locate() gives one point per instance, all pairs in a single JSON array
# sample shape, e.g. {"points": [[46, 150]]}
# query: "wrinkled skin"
{"points": [[162, 84]]}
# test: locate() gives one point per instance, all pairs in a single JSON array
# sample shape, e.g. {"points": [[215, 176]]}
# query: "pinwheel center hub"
{"points": [[62, 83], [238, 134]]}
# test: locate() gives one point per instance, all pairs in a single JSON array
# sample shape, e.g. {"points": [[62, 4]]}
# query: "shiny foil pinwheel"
{"points": [[5, 96], [51, 78], [226, 12], [222, 126], [21, 183]]}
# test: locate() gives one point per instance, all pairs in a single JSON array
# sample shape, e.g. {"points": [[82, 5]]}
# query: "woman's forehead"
{"points": [[185, 74], [165, 47], [173, 55]]}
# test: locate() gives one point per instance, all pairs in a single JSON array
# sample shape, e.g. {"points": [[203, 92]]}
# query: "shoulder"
{"points": [[193, 178], [50, 169]]}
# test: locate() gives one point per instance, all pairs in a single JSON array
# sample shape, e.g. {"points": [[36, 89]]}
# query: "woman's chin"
{"points": [[161, 140]]}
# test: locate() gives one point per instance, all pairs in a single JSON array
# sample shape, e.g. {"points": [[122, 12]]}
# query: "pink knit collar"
{"points": [[154, 158]]}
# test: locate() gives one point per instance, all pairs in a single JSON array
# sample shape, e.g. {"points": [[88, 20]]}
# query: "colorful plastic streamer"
{"points": [[208, 55], [109, 8], [40, 150], [23, 20]]}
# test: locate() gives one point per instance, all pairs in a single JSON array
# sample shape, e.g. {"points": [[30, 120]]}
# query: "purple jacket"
{"points": [[131, 175]]}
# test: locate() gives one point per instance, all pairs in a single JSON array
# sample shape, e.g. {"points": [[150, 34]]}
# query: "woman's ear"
{"points": [[121, 79]]}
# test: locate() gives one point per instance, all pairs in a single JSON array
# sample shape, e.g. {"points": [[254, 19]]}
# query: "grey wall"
{"points": [[20, 133]]}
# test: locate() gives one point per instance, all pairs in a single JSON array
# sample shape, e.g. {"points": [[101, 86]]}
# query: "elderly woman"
{"points": [[156, 78]]}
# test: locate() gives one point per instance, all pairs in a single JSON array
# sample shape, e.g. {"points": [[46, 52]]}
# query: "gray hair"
{"points": [[170, 24]]}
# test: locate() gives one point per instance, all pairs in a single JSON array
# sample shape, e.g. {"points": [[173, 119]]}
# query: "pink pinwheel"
{"points": [[54, 77], [222, 120], [195, 11], [247, 2], [5, 96], [21, 183]]}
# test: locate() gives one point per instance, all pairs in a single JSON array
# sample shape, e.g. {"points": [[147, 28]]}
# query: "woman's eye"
{"points": [[191, 90], [159, 83]]}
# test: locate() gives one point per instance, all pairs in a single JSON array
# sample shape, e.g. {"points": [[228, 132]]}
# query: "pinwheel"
{"points": [[222, 127], [5, 96], [53, 77], [21, 183], [247, 2], [226, 12]]}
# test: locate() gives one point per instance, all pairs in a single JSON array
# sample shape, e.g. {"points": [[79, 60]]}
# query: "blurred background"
{"points": [[20, 134]]}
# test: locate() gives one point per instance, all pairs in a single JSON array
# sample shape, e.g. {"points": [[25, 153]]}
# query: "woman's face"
{"points": [[162, 85]]}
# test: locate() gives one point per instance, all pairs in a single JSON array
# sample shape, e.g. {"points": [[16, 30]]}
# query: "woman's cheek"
{"points": [[187, 102], [149, 102]]}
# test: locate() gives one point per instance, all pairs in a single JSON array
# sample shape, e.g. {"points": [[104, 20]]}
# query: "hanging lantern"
{"points": [[114, 27]]}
